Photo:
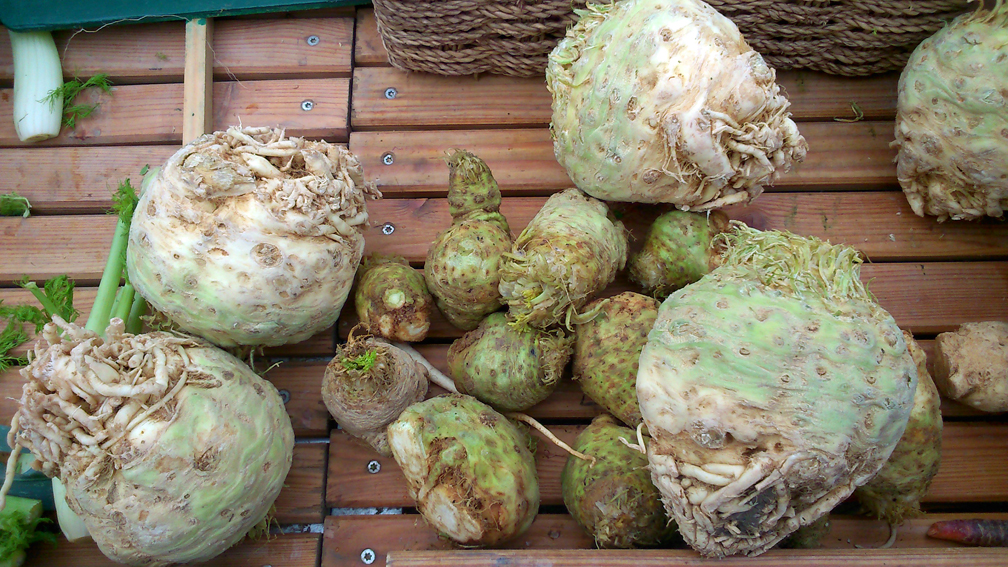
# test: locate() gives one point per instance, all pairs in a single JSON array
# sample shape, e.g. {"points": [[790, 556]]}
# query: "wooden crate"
{"points": [[930, 276]]}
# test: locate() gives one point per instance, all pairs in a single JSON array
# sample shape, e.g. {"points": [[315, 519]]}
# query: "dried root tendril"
{"points": [[549, 435], [84, 395]]}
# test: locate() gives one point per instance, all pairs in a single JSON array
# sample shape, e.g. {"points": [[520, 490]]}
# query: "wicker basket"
{"points": [[464, 37], [514, 37]]}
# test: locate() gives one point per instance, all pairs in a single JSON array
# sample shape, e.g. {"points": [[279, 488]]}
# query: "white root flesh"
{"points": [[549, 435], [436, 376]]}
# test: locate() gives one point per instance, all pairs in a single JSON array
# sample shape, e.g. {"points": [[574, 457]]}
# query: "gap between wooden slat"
{"points": [[972, 469]]}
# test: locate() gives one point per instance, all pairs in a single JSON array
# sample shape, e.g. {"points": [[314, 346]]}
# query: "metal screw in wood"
{"points": [[312, 40], [307, 105], [373, 467], [388, 228], [391, 93], [388, 158], [368, 556], [284, 396]]}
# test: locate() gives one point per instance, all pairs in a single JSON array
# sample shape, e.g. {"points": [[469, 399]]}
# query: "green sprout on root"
{"points": [[362, 362]]}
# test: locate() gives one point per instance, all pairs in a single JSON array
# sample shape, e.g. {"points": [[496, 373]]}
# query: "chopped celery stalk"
{"points": [[18, 522], [37, 72]]}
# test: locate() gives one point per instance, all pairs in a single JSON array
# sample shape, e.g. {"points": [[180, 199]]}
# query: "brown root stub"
{"points": [[971, 365], [368, 384], [392, 300]]}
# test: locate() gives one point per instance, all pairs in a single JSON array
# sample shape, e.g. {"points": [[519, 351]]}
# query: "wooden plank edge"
{"points": [[954, 556]]}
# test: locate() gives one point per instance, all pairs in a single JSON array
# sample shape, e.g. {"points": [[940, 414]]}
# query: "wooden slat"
{"points": [[972, 469], [951, 557], [243, 49], [886, 229], [841, 156], [145, 114], [368, 47], [283, 550], [347, 536], [197, 91], [300, 501], [72, 180], [434, 101]]}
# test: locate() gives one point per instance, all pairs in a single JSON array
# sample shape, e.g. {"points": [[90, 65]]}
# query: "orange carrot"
{"points": [[987, 533]]}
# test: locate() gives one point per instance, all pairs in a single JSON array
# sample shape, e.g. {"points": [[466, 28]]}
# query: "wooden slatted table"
{"points": [[334, 510]]}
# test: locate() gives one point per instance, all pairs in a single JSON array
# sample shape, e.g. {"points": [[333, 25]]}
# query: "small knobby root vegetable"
{"points": [[771, 388], [894, 494], [971, 365], [469, 469], [249, 237], [952, 119], [170, 449], [986, 533], [658, 102], [606, 350], [808, 537], [512, 369], [677, 251], [392, 300], [18, 529], [613, 499], [463, 262], [570, 251], [368, 384]]}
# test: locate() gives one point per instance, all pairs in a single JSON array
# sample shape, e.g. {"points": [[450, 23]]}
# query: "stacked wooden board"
{"points": [[930, 276]]}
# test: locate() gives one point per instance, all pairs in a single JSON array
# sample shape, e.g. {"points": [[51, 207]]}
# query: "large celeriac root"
{"points": [[85, 394]]}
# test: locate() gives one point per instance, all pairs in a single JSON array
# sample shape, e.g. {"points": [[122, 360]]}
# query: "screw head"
{"points": [[387, 158], [307, 105], [284, 396], [388, 228], [312, 40], [368, 556], [391, 93], [373, 467]]}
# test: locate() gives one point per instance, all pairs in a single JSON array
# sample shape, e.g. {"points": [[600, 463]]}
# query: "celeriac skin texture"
{"points": [[363, 401], [469, 469], [392, 300], [664, 101], [463, 262], [613, 499], [771, 388], [248, 237], [607, 348], [568, 252], [510, 368], [894, 494], [171, 449], [971, 365], [952, 119], [677, 251]]}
